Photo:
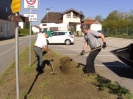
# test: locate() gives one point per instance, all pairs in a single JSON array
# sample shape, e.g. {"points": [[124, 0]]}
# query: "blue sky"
{"points": [[90, 8]]}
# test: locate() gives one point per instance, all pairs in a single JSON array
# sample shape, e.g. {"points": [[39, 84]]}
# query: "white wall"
{"points": [[7, 29], [21, 24], [67, 20], [61, 26], [96, 27], [35, 30]]}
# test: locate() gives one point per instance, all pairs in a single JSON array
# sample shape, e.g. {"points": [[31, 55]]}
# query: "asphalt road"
{"points": [[106, 63], [7, 50]]}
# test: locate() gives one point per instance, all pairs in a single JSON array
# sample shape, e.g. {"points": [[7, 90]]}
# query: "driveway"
{"points": [[106, 63]]}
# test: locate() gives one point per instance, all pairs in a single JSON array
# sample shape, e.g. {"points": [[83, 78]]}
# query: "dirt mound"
{"points": [[65, 64]]}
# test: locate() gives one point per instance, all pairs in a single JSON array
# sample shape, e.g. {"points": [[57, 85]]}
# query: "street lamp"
{"points": [[47, 13]]}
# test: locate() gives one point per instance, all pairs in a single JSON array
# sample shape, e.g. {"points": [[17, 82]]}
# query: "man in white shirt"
{"points": [[40, 44]]}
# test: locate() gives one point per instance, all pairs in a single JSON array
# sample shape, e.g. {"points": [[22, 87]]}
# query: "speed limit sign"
{"points": [[31, 4]]}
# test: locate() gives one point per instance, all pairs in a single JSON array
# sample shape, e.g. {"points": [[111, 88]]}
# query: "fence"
{"points": [[125, 31]]}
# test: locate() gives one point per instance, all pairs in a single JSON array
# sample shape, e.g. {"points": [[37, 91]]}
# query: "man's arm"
{"points": [[103, 39], [46, 48], [85, 46]]}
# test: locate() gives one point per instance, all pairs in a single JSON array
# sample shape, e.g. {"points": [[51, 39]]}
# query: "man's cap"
{"points": [[49, 33]]}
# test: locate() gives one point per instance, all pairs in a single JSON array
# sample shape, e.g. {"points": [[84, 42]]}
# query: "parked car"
{"points": [[103, 32], [66, 37]]}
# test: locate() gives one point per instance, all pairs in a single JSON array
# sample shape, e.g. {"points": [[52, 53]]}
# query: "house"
{"points": [[65, 20], [7, 28], [21, 24], [95, 25], [36, 29]]}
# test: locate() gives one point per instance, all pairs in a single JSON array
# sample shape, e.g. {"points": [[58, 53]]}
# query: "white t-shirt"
{"points": [[41, 40]]}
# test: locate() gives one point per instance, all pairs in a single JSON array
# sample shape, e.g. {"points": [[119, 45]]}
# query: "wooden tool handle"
{"points": [[87, 52]]}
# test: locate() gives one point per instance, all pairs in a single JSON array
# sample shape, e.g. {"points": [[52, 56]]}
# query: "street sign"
{"points": [[15, 6], [32, 17], [14, 18], [31, 4]]}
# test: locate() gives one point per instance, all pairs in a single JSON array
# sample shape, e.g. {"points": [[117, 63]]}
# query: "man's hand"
{"points": [[82, 52], [104, 45]]}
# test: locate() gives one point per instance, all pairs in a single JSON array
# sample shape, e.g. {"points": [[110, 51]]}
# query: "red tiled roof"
{"points": [[90, 21]]}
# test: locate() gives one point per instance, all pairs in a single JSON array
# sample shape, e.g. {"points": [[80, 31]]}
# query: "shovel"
{"points": [[65, 61], [85, 53]]}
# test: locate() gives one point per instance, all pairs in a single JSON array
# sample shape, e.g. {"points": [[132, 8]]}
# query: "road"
{"points": [[7, 50], [106, 63]]}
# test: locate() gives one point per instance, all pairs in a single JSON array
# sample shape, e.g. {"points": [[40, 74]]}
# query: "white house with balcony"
{"points": [[61, 20]]}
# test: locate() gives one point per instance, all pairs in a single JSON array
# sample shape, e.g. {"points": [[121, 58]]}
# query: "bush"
{"points": [[24, 31]]}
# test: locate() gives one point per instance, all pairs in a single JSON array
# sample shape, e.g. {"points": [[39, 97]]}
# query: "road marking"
{"points": [[111, 65], [126, 41], [98, 55], [115, 39], [77, 49], [11, 48]]}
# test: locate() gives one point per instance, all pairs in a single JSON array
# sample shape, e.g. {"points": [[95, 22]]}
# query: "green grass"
{"points": [[43, 84], [8, 69], [113, 87]]}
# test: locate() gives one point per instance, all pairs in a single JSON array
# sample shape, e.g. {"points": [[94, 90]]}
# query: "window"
{"points": [[44, 24], [6, 9], [96, 23], [1, 29], [61, 33], [55, 34], [75, 15], [68, 15], [70, 33]]}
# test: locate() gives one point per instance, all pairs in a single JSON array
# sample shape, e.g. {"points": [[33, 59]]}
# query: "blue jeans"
{"points": [[38, 52]]}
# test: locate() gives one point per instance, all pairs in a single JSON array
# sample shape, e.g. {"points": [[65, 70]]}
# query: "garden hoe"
{"points": [[51, 65]]}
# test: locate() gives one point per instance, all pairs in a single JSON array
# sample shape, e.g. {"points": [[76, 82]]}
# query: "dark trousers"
{"points": [[90, 68], [38, 52]]}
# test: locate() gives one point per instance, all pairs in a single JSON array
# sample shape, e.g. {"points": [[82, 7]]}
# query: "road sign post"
{"points": [[31, 5], [15, 7]]}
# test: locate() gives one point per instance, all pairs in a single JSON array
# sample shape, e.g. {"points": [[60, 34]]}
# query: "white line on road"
{"points": [[11, 48], [115, 39], [87, 55], [108, 65], [126, 41], [76, 49]]}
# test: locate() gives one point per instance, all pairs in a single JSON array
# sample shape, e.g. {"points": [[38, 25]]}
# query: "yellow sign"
{"points": [[15, 6]]}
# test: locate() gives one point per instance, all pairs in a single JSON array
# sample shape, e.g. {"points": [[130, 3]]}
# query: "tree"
{"points": [[99, 18]]}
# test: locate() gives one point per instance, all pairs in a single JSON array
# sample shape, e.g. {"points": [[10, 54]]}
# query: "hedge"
{"points": [[24, 31]]}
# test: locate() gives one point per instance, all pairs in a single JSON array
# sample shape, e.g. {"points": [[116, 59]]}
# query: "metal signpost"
{"points": [[31, 5], [15, 6]]}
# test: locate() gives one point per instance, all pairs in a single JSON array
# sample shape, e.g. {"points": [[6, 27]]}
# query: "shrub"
{"points": [[24, 31]]}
